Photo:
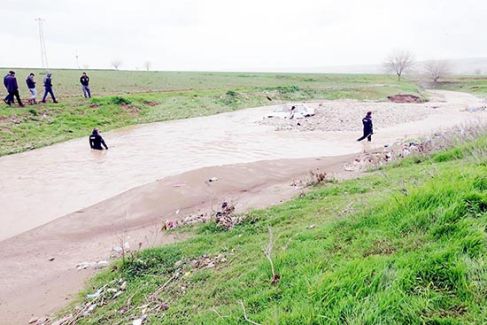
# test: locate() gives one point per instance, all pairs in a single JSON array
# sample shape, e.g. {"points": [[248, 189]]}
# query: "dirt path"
{"points": [[41, 186]]}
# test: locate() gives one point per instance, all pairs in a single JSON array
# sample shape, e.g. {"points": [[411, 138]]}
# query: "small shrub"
{"points": [[33, 111], [288, 89], [480, 183], [473, 245], [452, 154], [476, 203], [210, 228], [442, 272], [154, 260], [231, 98], [117, 100]]}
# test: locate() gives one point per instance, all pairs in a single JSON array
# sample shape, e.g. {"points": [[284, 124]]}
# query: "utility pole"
{"points": [[77, 60], [44, 63]]}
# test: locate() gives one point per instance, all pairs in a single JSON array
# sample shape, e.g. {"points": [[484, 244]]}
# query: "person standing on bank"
{"points": [[13, 89], [48, 88], [85, 85], [5, 83], [31, 85], [368, 127]]}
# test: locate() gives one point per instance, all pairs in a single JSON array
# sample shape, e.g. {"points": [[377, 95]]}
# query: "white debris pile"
{"points": [[345, 115], [92, 265], [292, 111], [189, 220]]}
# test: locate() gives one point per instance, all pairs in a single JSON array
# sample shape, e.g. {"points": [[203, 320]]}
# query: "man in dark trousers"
{"points": [[85, 85], [48, 88], [5, 83], [96, 141], [368, 128], [13, 89]]}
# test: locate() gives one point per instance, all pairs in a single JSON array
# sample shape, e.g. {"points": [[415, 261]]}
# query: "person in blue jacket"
{"points": [[368, 127], [48, 88]]}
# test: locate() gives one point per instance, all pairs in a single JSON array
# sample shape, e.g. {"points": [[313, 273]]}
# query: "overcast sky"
{"points": [[238, 35]]}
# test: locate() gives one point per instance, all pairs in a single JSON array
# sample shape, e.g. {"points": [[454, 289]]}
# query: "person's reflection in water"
{"points": [[96, 141]]}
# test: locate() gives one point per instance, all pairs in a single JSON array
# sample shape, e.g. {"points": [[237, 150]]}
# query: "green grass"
{"points": [[110, 82], [476, 85], [403, 245], [125, 98]]}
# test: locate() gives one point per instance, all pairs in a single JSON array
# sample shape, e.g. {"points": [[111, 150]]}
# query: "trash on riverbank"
{"points": [[436, 142], [292, 111], [475, 109], [92, 265], [224, 218]]}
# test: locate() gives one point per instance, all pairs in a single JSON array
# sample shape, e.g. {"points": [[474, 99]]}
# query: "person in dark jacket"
{"points": [[96, 141], [368, 127], [48, 88], [85, 85], [5, 83], [31, 85], [13, 89]]}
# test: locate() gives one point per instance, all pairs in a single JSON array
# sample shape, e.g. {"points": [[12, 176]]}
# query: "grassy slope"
{"points": [[404, 245], [476, 85], [172, 95]]}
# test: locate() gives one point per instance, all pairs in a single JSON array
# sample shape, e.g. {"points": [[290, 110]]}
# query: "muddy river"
{"points": [[44, 184]]}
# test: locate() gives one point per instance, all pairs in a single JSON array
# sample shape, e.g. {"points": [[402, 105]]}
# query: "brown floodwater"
{"points": [[41, 185]]}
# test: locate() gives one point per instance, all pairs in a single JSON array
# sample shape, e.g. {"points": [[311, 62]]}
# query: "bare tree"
{"points": [[116, 64], [147, 65], [399, 62], [437, 69]]}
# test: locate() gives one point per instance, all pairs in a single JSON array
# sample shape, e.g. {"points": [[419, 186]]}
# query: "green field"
{"points": [[470, 84], [124, 98], [403, 245]]}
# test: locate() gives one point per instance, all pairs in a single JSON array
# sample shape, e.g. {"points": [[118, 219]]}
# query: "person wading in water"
{"points": [[368, 128], [96, 141]]}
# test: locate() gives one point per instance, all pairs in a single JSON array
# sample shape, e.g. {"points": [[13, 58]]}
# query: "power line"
{"points": [[44, 62]]}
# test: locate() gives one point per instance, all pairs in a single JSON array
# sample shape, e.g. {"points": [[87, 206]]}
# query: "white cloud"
{"points": [[239, 35]]}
